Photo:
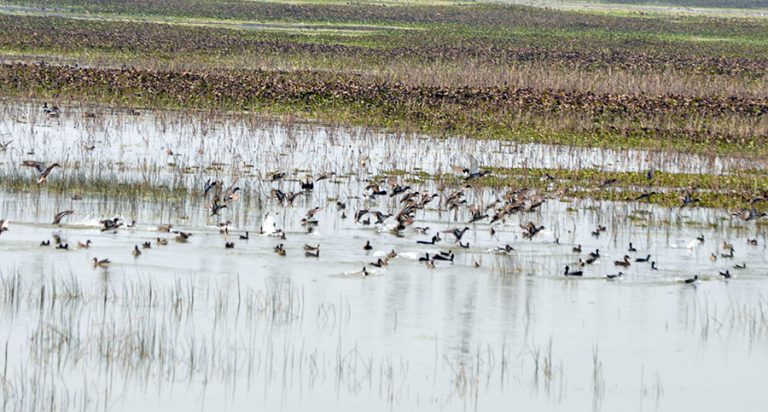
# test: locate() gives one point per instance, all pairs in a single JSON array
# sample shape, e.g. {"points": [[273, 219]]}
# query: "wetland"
{"points": [[433, 206]]}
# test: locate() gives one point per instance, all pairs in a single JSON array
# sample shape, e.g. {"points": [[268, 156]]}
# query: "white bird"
{"points": [[268, 227], [683, 244]]}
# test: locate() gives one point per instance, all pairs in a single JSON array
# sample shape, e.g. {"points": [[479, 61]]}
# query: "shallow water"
{"points": [[197, 326], [197, 141]]}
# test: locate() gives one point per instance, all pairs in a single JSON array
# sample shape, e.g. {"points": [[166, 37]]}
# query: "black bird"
{"points": [[631, 248], [506, 249], [687, 200], [64, 246], [459, 233], [646, 196], [653, 266], [441, 256], [229, 245], [574, 273], [360, 214], [216, 207], [278, 194], [614, 276], [45, 243], [464, 245], [577, 249], [380, 217], [210, 184], [435, 239], [110, 224], [398, 189], [277, 176], [595, 254], [530, 230], [726, 274], [368, 245], [478, 216], [424, 258], [246, 236], [645, 259], [740, 266], [700, 238], [307, 185], [146, 245], [693, 279]]}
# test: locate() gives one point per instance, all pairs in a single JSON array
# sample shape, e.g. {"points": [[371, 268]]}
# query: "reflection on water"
{"points": [[196, 326]]}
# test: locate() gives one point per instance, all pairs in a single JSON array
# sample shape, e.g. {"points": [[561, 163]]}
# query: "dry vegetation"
{"points": [[480, 70]]}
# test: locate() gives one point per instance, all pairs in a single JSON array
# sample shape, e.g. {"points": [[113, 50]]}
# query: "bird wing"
{"points": [[34, 163], [60, 215], [48, 169], [474, 167], [457, 169]]}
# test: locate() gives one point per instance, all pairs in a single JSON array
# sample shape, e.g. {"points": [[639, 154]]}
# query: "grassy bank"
{"points": [[486, 71]]}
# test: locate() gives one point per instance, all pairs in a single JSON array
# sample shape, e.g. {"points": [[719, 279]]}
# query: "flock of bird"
{"points": [[398, 218]]}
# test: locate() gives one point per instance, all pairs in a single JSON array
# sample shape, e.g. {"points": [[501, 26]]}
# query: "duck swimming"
{"points": [[576, 249], [101, 263], [625, 262], [568, 272], [435, 239]]}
